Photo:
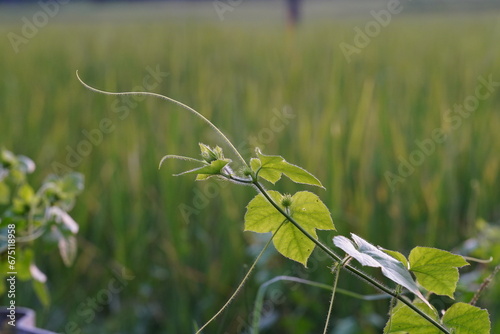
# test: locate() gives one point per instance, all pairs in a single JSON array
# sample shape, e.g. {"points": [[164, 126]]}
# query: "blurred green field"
{"points": [[352, 122]]}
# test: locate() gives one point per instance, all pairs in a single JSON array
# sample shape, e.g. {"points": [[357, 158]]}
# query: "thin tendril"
{"points": [[243, 281], [336, 272], [197, 114]]}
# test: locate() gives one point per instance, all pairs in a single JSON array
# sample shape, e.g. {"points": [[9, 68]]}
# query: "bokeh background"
{"points": [[350, 120]]}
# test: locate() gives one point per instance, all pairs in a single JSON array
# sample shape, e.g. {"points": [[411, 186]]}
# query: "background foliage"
{"points": [[352, 123]]}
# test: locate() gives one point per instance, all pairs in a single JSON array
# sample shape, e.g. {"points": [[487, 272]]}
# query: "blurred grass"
{"points": [[352, 123]]}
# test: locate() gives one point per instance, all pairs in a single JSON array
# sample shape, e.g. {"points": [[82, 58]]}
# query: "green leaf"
{"points": [[467, 319], [7, 158], [398, 256], [404, 320], [41, 292], [436, 270], [4, 269], [4, 193], [72, 183], [369, 255], [214, 168], [2, 285], [271, 167], [261, 216], [305, 207], [25, 193], [24, 259], [202, 177], [17, 176], [208, 169], [308, 209], [460, 318]]}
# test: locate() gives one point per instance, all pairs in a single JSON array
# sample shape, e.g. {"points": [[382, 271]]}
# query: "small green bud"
{"points": [[211, 154], [247, 171], [287, 200]]}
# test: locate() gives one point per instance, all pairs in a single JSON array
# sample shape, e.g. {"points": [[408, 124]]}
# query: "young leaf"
{"points": [[271, 167], [404, 320], [369, 255], [305, 207], [436, 270], [210, 154], [214, 168], [467, 319]]}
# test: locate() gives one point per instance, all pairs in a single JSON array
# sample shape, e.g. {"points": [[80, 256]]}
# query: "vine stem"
{"points": [[484, 285], [336, 272], [243, 281], [349, 267]]}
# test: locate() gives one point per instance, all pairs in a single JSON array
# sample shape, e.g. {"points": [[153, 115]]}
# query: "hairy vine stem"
{"points": [[347, 266], [336, 271]]}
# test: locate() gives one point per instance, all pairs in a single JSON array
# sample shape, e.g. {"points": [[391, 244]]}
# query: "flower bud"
{"points": [[211, 154], [287, 200]]}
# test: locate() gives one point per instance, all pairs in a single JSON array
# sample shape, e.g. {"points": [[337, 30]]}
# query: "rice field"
{"points": [[403, 133]]}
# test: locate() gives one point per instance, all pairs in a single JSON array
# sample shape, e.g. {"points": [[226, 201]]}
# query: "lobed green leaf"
{"points": [[306, 208], [214, 168], [467, 319], [271, 167], [404, 320], [460, 318], [436, 270], [261, 216]]}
